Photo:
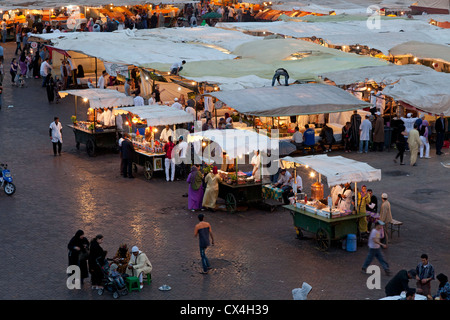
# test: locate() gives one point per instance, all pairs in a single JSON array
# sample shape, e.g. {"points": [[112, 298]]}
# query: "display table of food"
{"points": [[94, 136], [236, 194], [327, 224], [150, 158], [241, 189]]}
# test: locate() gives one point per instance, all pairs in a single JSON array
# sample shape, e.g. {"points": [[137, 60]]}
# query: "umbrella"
{"points": [[212, 15], [286, 148]]}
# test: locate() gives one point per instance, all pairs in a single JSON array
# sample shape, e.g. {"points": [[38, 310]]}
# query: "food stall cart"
{"points": [[149, 152], [317, 214], [91, 133], [236, 187]]}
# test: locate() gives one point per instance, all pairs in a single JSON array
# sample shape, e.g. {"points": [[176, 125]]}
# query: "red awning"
{"points": [[51, 49]]}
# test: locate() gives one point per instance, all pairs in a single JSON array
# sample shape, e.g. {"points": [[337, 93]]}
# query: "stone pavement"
{"points": [[256, 256]]}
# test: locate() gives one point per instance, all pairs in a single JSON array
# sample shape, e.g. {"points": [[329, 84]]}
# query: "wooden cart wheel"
{"points": [[323, 239], [148, 170], [231, 202], [90, 147]]}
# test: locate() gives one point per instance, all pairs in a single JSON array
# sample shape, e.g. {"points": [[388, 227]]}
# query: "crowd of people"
{"points": [[90, 257]]}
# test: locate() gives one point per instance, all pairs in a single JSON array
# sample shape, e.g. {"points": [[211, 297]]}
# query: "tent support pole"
{"points": [[96, 76]]}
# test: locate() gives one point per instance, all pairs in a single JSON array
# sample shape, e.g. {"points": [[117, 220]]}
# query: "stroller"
{"points": [[116, 285]]}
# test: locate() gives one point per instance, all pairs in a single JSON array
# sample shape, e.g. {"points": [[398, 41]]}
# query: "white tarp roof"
{"points": [[338, 170], [436, 4], [389, 34], [235, 142], [298, 99], [429, 92], [101, 98], [422, 50], [158, 115], [416, 85], [159, 45], [379, 74]]}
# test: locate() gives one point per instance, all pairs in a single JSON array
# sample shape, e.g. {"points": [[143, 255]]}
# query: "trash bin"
{"points": [[351, 242]]}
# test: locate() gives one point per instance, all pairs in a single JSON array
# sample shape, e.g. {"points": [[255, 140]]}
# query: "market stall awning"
{"points": [[236, 143], [380, 74], [387, 34], [158, 115], [419, 86], [101, 98], [422, 50], [337, 170], [299, 99]]}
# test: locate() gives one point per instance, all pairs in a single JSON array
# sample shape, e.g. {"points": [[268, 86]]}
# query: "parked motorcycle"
{"points": [[6, 180]]}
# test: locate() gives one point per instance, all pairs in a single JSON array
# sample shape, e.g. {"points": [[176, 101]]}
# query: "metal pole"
{"points": [[96, 77]]}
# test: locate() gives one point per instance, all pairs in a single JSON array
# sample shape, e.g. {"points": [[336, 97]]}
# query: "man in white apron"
{"points": [[55, 132]]}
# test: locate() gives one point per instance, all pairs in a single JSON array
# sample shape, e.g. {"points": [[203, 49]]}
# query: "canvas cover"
{"points": [[100, 98], [300, 99], [416, 85], [158, 115], [337, 170], [353, 31], [423, 50], [236, 143]]}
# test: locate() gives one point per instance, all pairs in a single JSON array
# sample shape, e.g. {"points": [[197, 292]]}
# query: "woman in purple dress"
{"points": [[195, 193]]}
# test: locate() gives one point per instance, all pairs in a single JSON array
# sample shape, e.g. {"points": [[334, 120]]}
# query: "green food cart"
{"points": [[325, 229], [326, 222]]}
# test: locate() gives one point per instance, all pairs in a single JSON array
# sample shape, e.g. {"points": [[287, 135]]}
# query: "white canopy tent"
{"points": [[300, 99], [381, 37], [101, 98], [337, 170], [158, 115], [422, 50], [143, 48], [418, 86], [236, 143]]}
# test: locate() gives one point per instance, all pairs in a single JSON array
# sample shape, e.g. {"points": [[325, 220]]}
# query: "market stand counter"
{"points": [[95, 138], [326, 229]]}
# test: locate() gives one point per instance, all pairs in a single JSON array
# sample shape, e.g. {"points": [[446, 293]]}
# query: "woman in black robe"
{"points": [[96, 255], [51, 89], [355, 121], [78, 253], [36, 65]]}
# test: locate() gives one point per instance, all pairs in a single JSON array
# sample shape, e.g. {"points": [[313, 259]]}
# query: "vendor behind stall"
{"points": [[256, 162], [284, 182]]}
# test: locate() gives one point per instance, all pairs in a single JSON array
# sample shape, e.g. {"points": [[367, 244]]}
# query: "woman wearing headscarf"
{"points": [[363, 201], [78, 253], [400, 143], [96, 256], [122, 258], [424, 133], [212, 180], [195, 192], [36, 64]]}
